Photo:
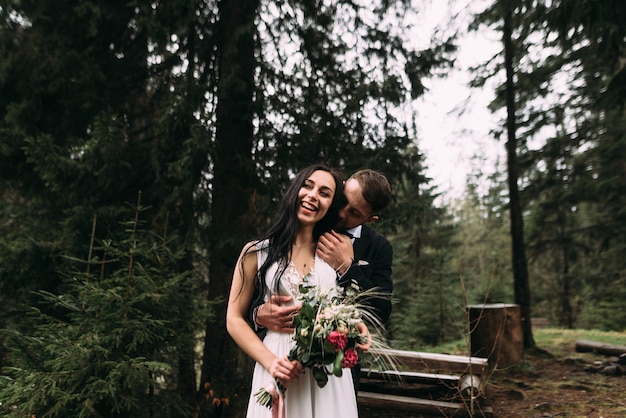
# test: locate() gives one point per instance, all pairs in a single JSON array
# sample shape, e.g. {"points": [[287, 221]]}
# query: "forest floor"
{"points": [[548, 385], [552, 380]]}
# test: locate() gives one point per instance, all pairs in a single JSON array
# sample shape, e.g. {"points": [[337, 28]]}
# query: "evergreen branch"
{"points": [[131, 257]]}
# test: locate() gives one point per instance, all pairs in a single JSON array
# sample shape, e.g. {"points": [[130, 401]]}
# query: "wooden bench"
{"points": [[425, 384], [539, 322]]}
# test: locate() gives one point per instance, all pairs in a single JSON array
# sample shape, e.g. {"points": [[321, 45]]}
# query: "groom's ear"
{"points": [[371, 219]]}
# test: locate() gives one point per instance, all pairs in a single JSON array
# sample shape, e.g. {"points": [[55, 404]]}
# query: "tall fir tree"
{"points": [[570, 136], [96, 108]]}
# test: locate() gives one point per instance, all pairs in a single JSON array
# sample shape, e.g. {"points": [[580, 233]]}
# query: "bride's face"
{"points": [[315, 197]]}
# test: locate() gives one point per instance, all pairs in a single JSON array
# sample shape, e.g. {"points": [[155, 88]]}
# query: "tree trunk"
{"points": [[567, 314], [225, 368], [520, 267]]}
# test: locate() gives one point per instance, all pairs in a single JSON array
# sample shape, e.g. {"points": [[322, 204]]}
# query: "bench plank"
{"points": [[409, 377], [416, 405], [415, 360]]}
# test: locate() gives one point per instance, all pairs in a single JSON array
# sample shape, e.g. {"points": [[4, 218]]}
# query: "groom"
{"points": [[358, 253]]}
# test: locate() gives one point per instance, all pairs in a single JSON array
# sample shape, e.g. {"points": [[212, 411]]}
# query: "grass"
{"points": [[562, 342], [557, 341]]}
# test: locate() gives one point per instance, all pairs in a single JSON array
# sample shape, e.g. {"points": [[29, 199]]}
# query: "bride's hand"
{"points": [[365, 333], [285, 370]]}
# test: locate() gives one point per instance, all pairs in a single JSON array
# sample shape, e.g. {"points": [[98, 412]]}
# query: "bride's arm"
{"points": [[241, 292]]}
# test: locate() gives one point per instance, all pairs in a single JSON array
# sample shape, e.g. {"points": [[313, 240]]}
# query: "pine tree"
{"points": [[573, 180], [507, 17], [96, 107], [428, 306], [594, 35], [109, 343]]}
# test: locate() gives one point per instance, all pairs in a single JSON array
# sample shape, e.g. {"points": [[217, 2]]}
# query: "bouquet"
{"points": [[326, 334]]}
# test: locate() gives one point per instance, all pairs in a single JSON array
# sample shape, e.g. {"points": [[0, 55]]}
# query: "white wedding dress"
{"points": [[303, 398]]}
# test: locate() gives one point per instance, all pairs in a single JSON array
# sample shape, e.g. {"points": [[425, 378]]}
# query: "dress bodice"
{"points": [[321, 274]]}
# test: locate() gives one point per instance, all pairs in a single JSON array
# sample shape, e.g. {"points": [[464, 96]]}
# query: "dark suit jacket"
{"points": [[371, 268]]}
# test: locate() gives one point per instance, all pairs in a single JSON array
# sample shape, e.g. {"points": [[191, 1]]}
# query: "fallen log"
{"points": [[587, 346]]}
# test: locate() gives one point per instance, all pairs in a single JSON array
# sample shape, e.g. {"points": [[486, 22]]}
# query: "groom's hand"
{"points": [[336, 249], [277, 314]]}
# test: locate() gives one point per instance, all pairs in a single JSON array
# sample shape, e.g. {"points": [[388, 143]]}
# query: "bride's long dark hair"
{"points": [[281, 236]]}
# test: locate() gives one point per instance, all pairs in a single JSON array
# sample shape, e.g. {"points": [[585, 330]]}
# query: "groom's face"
{"points": [[358, 210]]}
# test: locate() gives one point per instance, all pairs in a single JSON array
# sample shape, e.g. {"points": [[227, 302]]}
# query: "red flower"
{"points": [[338, 340], [350, 358]]}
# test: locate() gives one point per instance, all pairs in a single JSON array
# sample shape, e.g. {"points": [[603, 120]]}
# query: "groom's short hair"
{"points": [[375, 188]]}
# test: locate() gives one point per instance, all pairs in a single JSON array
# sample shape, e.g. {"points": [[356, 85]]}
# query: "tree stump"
{"points": [[496, 334]]}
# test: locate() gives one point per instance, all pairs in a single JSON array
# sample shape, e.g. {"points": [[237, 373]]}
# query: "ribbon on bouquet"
{"points": [[278, 400]]}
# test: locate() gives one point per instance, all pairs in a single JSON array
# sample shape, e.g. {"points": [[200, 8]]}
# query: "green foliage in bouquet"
{"points": [[326, 335], [325, 332]]}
